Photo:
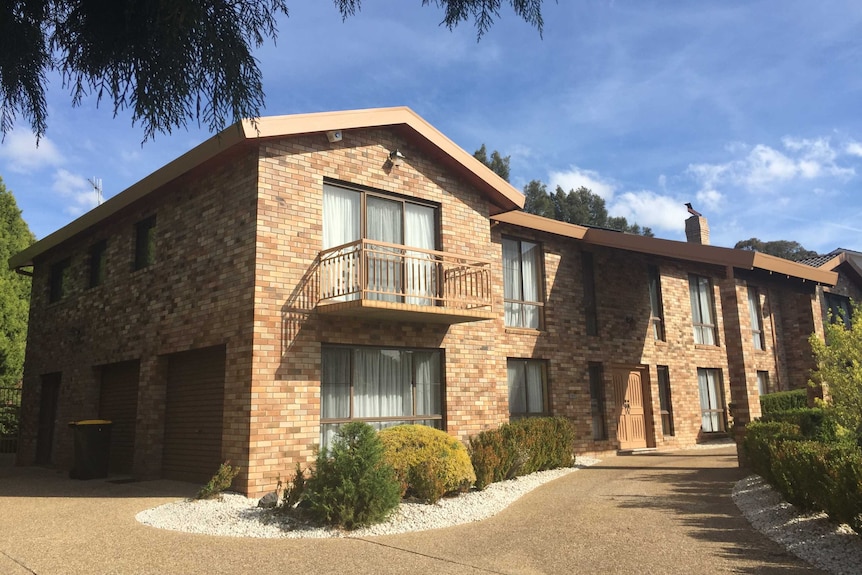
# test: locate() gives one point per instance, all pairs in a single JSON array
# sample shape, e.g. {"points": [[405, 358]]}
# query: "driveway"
{"points": [[652, 513]]}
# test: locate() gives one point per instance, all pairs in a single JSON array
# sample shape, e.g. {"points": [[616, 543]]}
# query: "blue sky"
{"points": [[751, 110]]}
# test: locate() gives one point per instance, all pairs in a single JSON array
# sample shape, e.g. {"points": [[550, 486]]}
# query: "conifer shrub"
{"points": [[428, 462], [220, 482], [352, 485]]}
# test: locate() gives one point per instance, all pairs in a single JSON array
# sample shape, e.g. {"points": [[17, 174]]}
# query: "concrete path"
{"points": [[653, 513]]}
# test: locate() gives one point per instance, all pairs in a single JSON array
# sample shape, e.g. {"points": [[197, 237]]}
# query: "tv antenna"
{"points": [[97, 187]]}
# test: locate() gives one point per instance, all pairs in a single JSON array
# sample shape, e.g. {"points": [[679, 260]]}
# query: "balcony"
{"points": [[378, 280]]}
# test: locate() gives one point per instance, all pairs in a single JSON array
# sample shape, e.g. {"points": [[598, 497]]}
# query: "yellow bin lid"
{"points": [[91, 422]]}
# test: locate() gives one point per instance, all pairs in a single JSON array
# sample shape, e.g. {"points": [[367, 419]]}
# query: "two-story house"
{"points": [[281, 279]]}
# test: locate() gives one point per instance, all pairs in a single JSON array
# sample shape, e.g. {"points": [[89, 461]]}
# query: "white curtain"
{"points": [[709, 399], [754, 313], [420, 268], [535, 387], [701, 310], [517, 387], [381, 383], [530, 263], [512, 282], [341, 209], [383, 224], [427, 368], [335, 384]]}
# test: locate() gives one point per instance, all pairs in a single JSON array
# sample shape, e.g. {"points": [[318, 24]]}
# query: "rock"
{"points": [[269, 500]]}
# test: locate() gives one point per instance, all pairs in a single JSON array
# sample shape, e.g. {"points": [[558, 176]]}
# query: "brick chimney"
{"points": [[697, 230]]}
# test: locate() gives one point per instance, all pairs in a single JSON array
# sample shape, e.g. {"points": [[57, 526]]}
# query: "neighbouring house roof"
{"points": [[847, 260], [725, 257], [404, 121]]}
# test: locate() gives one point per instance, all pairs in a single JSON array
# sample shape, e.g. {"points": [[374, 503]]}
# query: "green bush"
{"points": [[814, 423], [759, 437], [352, 485], [783, 401], [522, 447], [219, 482], [428, 462]]}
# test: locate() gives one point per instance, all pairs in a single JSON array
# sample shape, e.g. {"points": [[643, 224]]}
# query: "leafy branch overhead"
{"points": [[168, 61]]}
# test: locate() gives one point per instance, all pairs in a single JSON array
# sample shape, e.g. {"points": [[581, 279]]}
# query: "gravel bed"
{"points": [[833, 548], [238, 516]]}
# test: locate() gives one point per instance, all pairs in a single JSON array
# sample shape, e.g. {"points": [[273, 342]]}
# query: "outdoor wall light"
{"points": [[396, 157]]}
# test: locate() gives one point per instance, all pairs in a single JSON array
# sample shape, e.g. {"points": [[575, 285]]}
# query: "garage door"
{"points": [[193, 415], [118, 402]]}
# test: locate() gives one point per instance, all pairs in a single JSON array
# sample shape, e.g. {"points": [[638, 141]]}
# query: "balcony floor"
{"points": [[398, 311]]}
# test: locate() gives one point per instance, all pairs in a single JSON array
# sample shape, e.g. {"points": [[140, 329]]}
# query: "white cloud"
{"points": [[854, 149], [21, 155], [576, 177], [75, 188], [651, 210], [710, 199]]}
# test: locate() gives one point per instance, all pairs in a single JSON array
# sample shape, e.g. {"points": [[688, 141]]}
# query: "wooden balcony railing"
{"points": [[371, 270]]}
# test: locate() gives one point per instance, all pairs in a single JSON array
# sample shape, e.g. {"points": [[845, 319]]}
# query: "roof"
{"points": [[403, 120], [725, 257], [848, 260]]}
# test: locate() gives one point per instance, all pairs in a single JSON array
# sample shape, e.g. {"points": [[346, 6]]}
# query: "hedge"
{"points": [[783, 401]]}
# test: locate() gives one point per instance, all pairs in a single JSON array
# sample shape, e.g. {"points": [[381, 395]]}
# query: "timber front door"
{"points": [[630, 402]]}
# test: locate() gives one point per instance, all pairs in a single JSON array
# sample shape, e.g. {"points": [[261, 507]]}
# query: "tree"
{"points": [[581, 206], [14, 290], [498, 164], [839, 368], [167, 60], [780, 248]]}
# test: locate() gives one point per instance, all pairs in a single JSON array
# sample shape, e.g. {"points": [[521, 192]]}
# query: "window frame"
{"points": [[145, 243], [97, 263], [376, 419], [656, 304], [58, 280], [700, 327], [665, 399], [755, 312], [598, 398], [543, 367], [524, 304], [718, 412], [838, 308], [762, 381]]}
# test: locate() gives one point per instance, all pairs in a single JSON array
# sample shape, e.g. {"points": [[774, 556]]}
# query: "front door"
{"points": [[47, 417], [630, 404]]}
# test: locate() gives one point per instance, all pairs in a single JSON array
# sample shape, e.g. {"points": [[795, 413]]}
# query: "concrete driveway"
{"points": [[653, 513]]}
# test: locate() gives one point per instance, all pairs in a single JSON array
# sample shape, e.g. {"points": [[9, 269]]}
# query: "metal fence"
{"points": [[10, 417]]}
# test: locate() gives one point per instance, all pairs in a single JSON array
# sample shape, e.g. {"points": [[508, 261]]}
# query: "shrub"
{"points": [[219, 482], [814, 423], [783, 401], [522, 447], [428, 462], [295, 490], [759, 436], [352, 485]]}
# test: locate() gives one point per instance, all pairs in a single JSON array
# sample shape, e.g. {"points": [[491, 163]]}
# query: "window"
{"points": [[756, 318], [711, 400], [700, 290], [597, 401], [387, 221], [145, 242], [59, 280], [522, 273], [528, 393], [656, 310], [98, 259], [839, 308], [380, 386], [664, 400], [590, 311], [762, 382]]}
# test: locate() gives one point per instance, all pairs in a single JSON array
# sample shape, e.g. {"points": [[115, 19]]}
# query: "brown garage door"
{"points": [[193, 414], [118, 402]]}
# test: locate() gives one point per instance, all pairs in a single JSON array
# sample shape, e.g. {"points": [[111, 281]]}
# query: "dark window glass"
{"points": [[665, 404], [59, 280], [145, 242], [597, 401], [98, 259]]}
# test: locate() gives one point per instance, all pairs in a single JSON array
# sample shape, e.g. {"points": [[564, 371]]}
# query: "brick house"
{"points": [[280, 279]]}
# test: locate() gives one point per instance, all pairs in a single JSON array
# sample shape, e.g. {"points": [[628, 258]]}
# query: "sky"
{"points": [[750, 110]]}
